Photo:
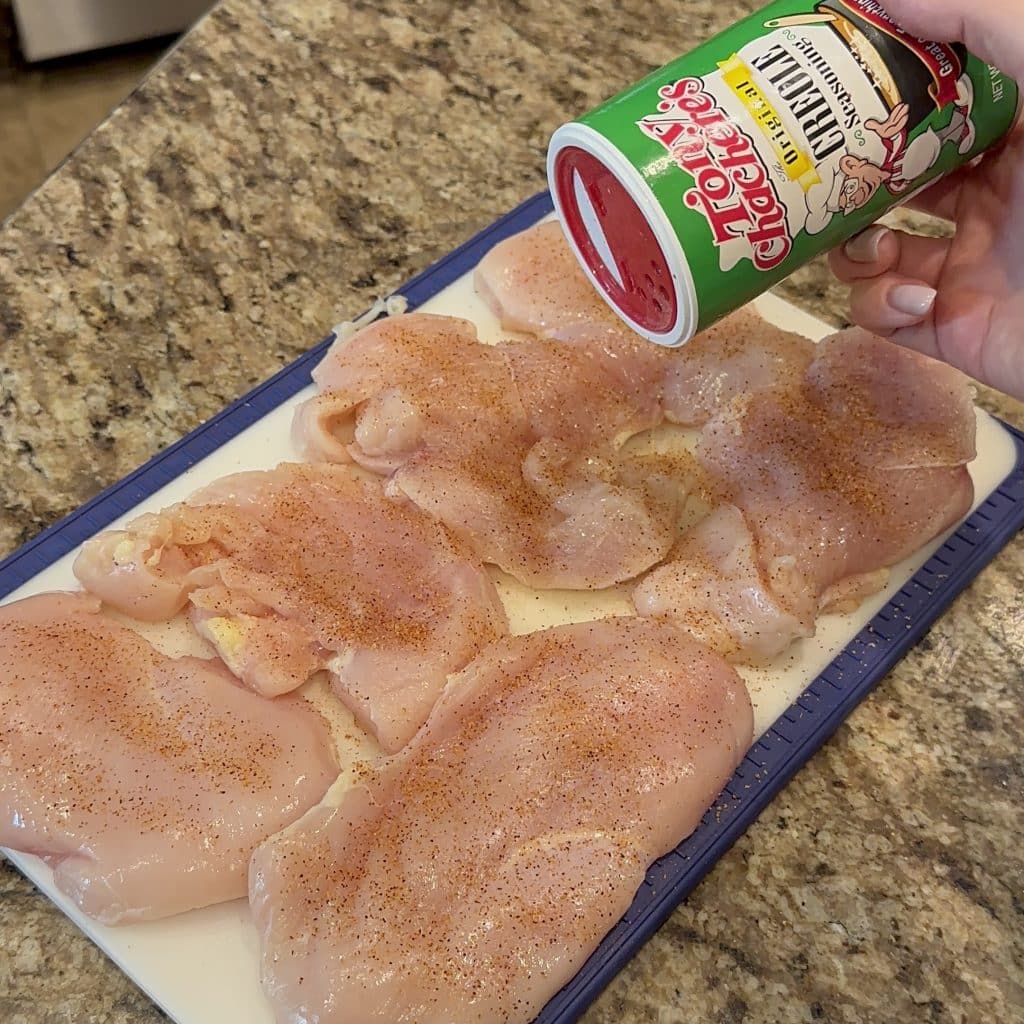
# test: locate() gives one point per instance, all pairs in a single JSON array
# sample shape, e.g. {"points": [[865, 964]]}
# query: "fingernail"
{"points": [[912, 299], [865, 247]]}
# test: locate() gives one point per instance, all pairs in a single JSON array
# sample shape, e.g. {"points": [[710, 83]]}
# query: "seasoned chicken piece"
{"points": [[534, 284], [913, 412], [547, 514], [739, 355], [809, 469], [145, 782], [714, 584], [303, 568], [822, 484], [403, 383], [459, 428], [569, 393], [469, 877]]}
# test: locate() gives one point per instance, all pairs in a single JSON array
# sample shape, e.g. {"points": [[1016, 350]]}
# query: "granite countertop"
{"points": [[286, 164]]}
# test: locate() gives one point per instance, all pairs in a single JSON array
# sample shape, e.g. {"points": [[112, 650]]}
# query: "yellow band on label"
{"points": [[797, 165]]}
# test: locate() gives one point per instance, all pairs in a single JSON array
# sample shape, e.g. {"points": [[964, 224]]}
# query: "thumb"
{"points": [[991, 29]]}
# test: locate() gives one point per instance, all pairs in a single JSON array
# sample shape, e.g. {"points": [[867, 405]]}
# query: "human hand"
{"points": [[959, 299]]}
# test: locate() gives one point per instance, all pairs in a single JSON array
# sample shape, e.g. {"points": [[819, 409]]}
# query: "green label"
{"points": [[795, 129]]}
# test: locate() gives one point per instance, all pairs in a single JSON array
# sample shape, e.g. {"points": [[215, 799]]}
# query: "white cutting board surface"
{"points": [[201, 967]]}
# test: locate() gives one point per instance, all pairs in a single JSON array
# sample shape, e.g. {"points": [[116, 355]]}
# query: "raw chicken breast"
{"points": [[716, 586], [535, 285], [512, 446], [305, 568], [547, 514], [469, 877], [913, 412], [569, 393], [403, 382], [816, 504], [143, 781], [739, 355], [822, 483]]}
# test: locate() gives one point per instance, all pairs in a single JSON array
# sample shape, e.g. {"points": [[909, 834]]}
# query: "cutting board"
{"points": [[201, 967]]}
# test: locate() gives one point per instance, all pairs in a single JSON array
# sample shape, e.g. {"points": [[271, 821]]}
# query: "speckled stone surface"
{"points": [[287, 163]]}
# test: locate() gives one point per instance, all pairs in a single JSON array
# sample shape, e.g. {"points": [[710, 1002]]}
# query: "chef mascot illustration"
{"points": [[858, 179], [912, 79]]}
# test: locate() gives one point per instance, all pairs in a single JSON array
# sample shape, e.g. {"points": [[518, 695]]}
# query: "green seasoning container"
{"points": [[719, 175]]}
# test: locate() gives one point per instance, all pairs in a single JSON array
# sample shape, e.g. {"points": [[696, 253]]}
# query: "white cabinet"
{"points": [[53, 28]]}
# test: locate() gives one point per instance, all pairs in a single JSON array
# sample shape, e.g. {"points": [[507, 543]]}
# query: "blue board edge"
{"points": [[775, 757]]}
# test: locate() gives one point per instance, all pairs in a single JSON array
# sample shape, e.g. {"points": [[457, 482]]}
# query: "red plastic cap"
{"points": [[639, 284]]}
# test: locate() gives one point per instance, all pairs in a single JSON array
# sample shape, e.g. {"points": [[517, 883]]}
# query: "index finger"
{"points": [[991, 30]]}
